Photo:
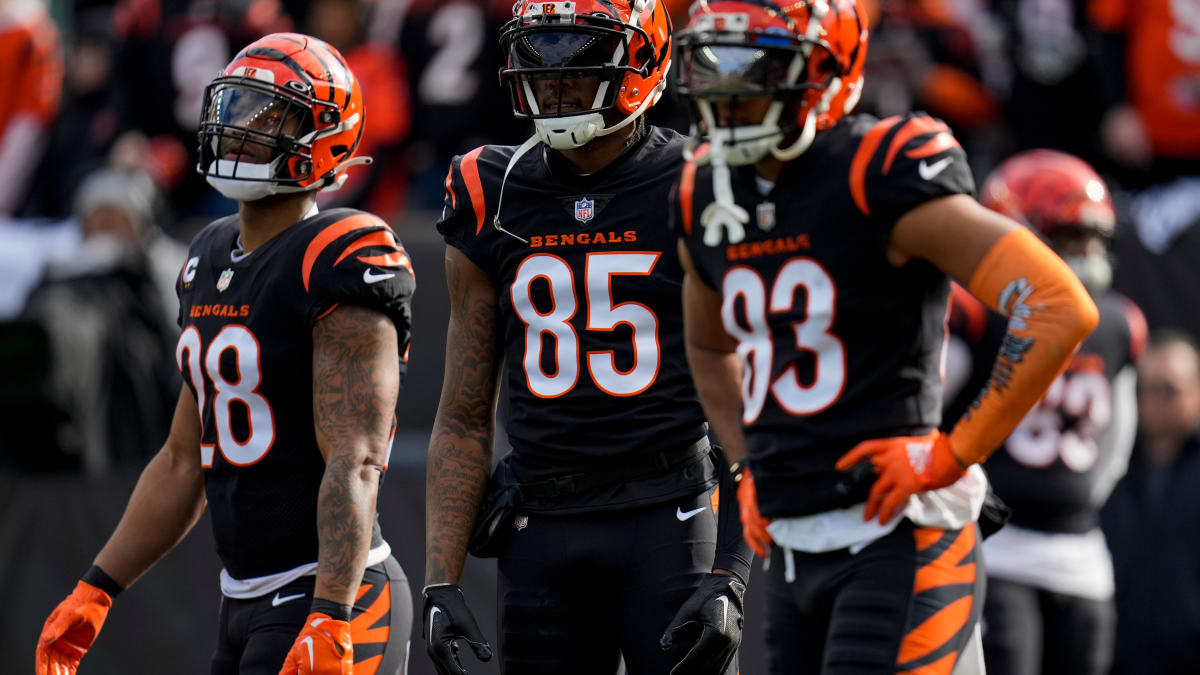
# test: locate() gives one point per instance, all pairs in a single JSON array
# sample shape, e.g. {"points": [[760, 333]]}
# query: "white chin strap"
{"points": [[576, 131], [246, 182], [242, 181]]}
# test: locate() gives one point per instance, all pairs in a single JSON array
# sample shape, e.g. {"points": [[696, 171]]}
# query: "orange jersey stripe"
{"points": [[328, 235], [470, 174], [913, 128], [450, 188], [862, 158], [379, 238], [687, 185]]}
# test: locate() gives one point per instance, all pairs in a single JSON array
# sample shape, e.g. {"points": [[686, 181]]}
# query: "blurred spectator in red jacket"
{"points": [[381, 187], [1151, 66], [31, 76]]}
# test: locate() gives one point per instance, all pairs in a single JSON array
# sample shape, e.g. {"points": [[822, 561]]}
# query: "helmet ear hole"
{"points": [[338, 150], [328, 117]]}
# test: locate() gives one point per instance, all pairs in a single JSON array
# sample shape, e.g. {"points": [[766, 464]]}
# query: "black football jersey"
{"points": [[838, 345], [590, 311], [246, 354], [1048, 469]]}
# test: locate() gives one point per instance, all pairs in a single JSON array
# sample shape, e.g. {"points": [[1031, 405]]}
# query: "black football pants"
{"points": [[577, 592], [1030, 631], [907, 603], [254, 635]]}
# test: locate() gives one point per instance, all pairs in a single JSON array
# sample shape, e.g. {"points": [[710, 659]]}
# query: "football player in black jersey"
{"points": [[818, 248], [559, 263], [1050, 594], [295, 332]]}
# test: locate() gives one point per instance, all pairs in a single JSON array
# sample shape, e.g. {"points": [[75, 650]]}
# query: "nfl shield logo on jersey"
{"points": [[520, 522], [766, 216], [585, 209], [223, 281]]}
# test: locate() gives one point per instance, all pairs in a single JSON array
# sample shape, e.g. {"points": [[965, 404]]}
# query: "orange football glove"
{"points": [[324, 647], [754, 526], [70, 630], [905, 465]]}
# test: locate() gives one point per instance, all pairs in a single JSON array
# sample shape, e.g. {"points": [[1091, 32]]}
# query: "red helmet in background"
{"points": [[1048, 190], [284, 116], [806, 56], [1064, 200], [624, 44]]}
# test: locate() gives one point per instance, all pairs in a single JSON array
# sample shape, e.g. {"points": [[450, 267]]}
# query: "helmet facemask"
{"points": [[256, 138], [554, 59], [723, 63]]}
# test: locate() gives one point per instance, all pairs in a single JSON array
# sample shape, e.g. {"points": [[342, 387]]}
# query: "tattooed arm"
{"points": [[356, 379], [460, 451]]}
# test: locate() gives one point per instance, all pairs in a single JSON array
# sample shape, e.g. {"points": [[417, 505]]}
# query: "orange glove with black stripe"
{"points": [[904, 466], [324, 647], [754, 526], [70, 630]]}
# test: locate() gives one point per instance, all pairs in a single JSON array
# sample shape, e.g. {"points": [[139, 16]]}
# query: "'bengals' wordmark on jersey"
{"points": [[828, 329], [589, 299], [246, 354]]}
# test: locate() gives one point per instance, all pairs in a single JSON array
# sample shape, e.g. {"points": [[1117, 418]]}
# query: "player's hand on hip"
{"points": [[324, 647], [710, 623], [754, 526], [904, 466], [70, 630], [446, 620]]}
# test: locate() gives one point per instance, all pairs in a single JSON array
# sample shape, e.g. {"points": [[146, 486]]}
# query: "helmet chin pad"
{"points": [[565, 133]]}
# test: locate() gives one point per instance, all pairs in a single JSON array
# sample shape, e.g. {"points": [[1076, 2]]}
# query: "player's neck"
{"points": [[769, 168], [602, 150], [262, 219]]}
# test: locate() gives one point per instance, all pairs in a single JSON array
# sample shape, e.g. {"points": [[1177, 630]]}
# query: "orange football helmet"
{"points": [[284, 116], [624, 44], [806, 56], [1063, 199]]}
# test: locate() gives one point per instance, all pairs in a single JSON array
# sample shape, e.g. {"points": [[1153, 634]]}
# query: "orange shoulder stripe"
{"points": [[687, 186], [915, 127], [327, 236], [862, 157], [470, 174], [377, 238], [450, 188]]}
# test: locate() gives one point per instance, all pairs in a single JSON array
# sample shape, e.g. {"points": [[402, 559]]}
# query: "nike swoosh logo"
{"points": [[277, 600], [312, 661], [930, 171], [433, 612], [370, 278], [684, 515], [724, 611]]}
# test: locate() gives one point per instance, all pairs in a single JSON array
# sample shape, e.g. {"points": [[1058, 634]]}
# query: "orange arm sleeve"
{"points": [[1049, 315]]}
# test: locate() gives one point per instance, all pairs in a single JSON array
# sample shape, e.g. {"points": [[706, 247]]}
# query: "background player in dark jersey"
{"points": [[560, 263], [827, 313], [1050, 594], [295, 328]]}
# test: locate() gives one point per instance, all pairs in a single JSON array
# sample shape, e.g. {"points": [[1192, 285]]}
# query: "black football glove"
{"points": [[447, 620], [711, 622]]}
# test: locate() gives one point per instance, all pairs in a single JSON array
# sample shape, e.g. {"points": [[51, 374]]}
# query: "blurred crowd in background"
{"points": [[99, 197]]}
